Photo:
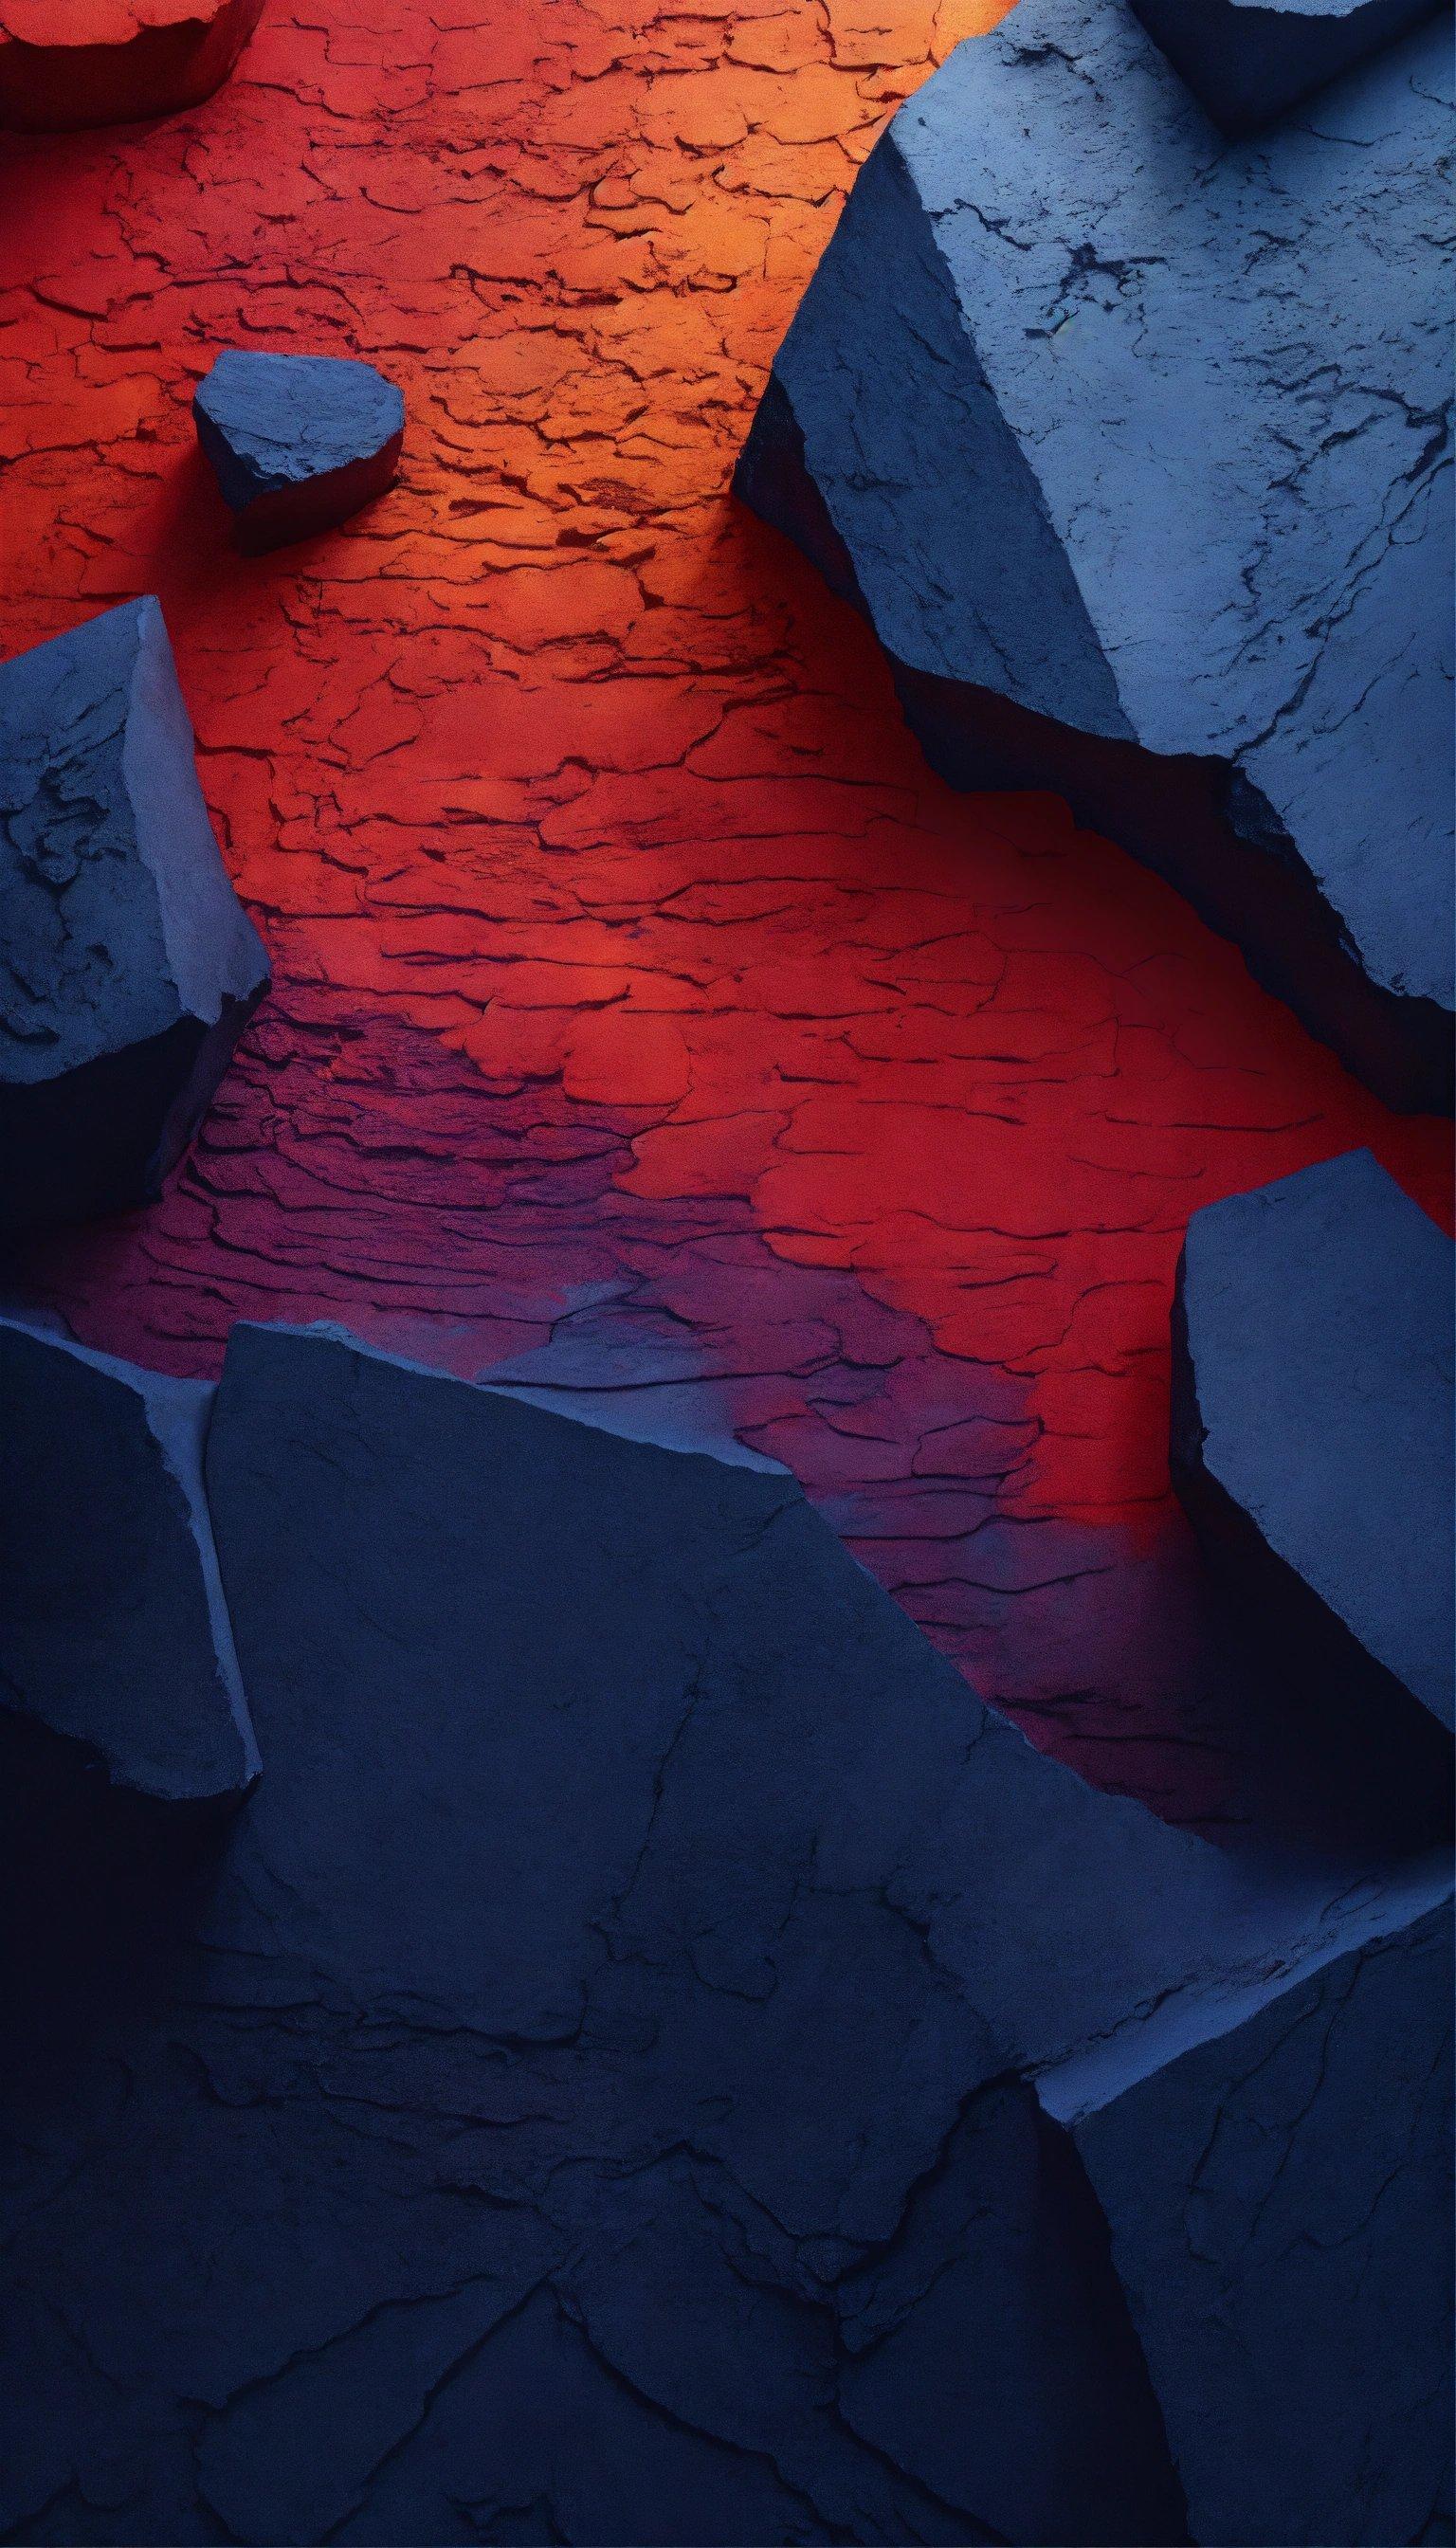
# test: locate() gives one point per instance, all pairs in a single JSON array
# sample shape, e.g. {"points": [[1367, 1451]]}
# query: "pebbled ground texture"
{"points": [[1135, 449], [649, 1022]]}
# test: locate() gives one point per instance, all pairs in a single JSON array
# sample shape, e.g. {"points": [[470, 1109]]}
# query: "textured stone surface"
{"points": [[130, 966], [1313, 1414], [597, 2076], [115, 1632], [1246, 63], [1279, 2201], [299, 442], [65, 64], [649, 1018], [1133, 450]]}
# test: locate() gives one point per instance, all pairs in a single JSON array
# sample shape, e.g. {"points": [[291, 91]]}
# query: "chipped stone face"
{"points": [[116, 1631], [1312, 1416], [599, 2073], [129, 966], [1246, 62], [65, 64], [1280, 2213], [1131, 447], [298, 441]]}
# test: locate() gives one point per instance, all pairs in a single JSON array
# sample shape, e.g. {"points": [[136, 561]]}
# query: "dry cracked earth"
{"points": [[649, 1025]]}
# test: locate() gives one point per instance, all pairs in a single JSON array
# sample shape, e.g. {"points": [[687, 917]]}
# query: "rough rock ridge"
{"points": [[1133, 450], [600, 2075], [1312, 1424], [116, 1633], [299, 442], [64, 64], [130, 968]]}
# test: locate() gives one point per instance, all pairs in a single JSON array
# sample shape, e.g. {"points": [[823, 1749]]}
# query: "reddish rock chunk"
{"points": [[115, 61]]}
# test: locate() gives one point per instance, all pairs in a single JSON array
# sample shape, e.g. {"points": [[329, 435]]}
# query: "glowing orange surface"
{"points": [[645, 1015]]}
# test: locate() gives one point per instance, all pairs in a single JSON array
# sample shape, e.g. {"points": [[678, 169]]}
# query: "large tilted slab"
{"points": [[1313, 1415], [130, 966], [298, 441], [114, 1632], [1246, 62], [602, 2092], [1279, 2201], [65, 64], [1129, 446]]}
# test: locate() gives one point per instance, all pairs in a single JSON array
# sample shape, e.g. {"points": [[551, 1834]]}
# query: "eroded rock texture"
{"points": [[130, 967], [65, 64], [1246, 63], [1134, 451], [595, 2093], [1313, 1411], [649, 1018], [1279, 2205], [115, 1631], [298, 441]]}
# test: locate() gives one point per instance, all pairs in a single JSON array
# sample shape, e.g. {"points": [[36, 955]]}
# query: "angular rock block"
{"points": [[299, 442], [131, 967], [1247, 64], [1131, 448], [1279, 2203], [1312, 1424], [601, 2078], [116, 1631], [70, 64]]}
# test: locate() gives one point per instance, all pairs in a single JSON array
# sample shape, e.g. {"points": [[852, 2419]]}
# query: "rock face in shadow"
{"points": [[1247, 64], [116, 1633], [298, 441], [131, 967], [1312, 1410], [66, 63], [1131, 448], [1280, 2211], [600, 2076]]}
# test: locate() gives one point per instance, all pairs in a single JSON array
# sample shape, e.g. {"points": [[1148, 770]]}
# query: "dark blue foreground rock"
{"points": [[595, 2097], [1313, 1414], [1247, 64], [1279, 2201], [130, 969], [299, 442], [114, 1630], [1131, 448]]}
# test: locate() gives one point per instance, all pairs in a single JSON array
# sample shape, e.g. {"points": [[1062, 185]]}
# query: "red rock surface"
{"points": [[647, 1019], [67, 64]]}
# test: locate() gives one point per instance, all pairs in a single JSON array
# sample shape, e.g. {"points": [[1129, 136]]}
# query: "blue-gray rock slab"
{"points": [[600, 2080], [1248, 60], [1133, 449], [1313, 1423], [1278, 2200], [130, 968], [115, 1634], [298, 441]]}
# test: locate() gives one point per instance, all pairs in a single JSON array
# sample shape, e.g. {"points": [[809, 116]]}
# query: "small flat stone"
{"points": [[115, 1632], [298, 441], [1246, 62], [1313, 1413], [131, 967], [68, 63]]}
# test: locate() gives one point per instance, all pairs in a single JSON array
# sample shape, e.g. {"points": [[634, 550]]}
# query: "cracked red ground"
{"points": [[647, 1020]]}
